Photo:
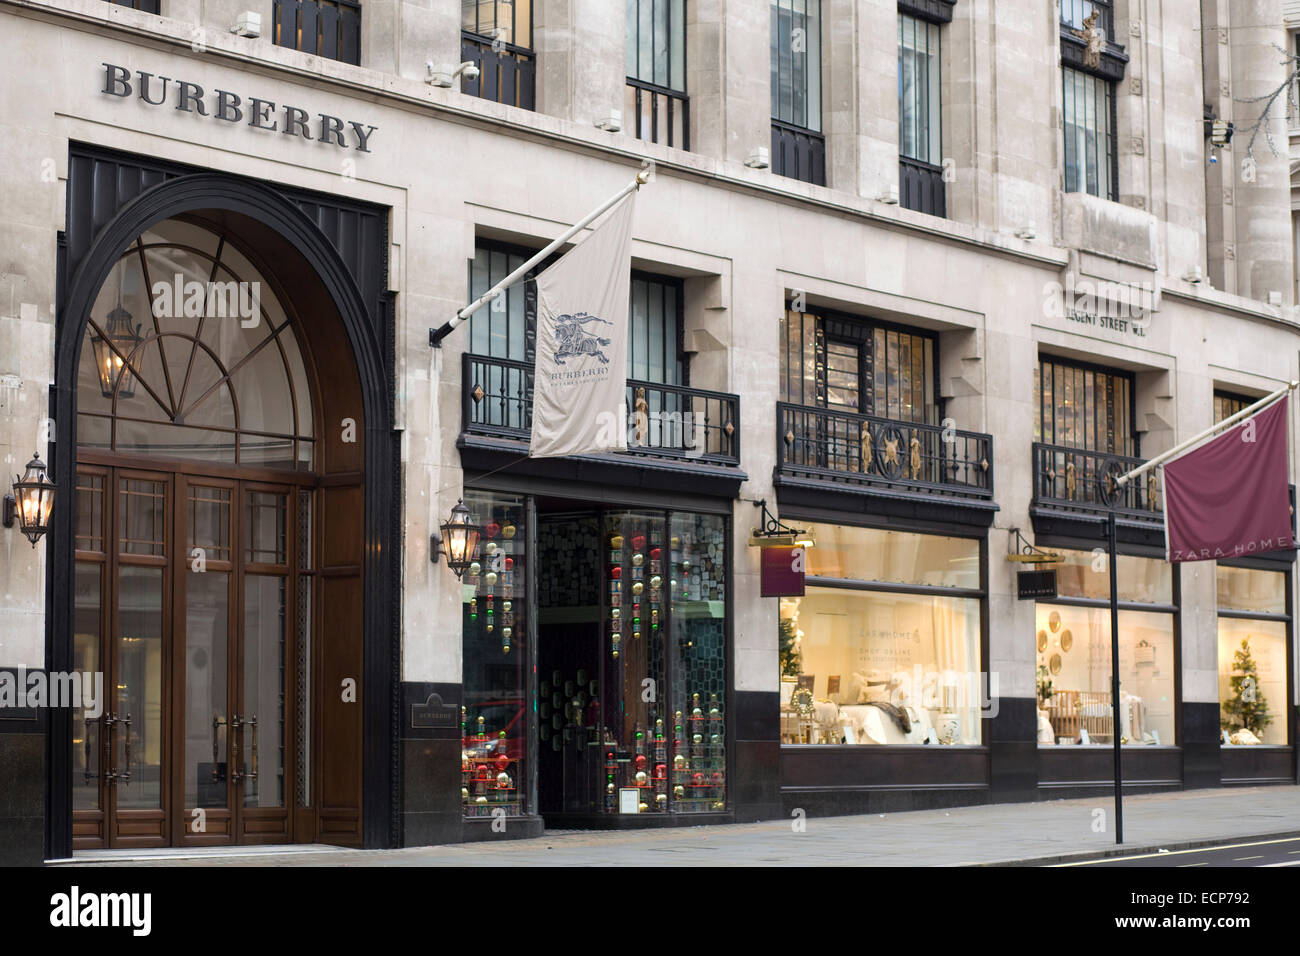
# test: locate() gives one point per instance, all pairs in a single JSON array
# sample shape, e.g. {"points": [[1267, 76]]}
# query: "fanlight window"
{"points": [[190, 354]]}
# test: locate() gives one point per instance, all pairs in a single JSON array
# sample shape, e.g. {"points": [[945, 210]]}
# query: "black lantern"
{"points": [[31, 502], [115, 353], [459, 540]]}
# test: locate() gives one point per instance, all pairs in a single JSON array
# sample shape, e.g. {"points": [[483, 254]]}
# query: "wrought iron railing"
{"points": [[328, 28], [920, 186], [507, 73], [663, 421], [1075, 478], [798, 153], [658, 114], [865, 449]]}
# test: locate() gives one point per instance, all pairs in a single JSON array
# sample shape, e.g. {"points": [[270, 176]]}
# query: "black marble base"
{"points": [[430, 764], [480, 829], [754, 790], [1013, 750], [23, 773], [840, 801]]}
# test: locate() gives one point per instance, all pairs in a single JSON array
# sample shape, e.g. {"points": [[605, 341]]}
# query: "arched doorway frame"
{"points": [[192, 193]]}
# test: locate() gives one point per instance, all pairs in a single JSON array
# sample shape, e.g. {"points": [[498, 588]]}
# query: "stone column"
{"points": [[581, 58]]}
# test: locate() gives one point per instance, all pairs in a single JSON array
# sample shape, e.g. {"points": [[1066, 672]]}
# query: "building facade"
{"points": [[919, 277]]}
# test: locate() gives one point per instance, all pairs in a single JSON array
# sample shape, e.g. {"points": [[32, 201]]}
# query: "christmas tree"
{"points": [[1246, 707], [789, 652]]}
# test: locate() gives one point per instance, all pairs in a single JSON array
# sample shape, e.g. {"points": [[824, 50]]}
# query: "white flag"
{"points": [[580, 380]]}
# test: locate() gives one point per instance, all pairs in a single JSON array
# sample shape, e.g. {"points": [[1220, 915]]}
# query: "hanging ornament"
{"points": [[637, 587], [655, 581], [638, 542], [492, 529], [474, 569], [510, 564], [654, 554], [615, 612], [502, 762], [679, 791], [490, 548], [616, 541], [508, 531], [616, 572], [503, 781], [490, 578], [675, 541], [638, 559], [473, 609], [641, 778]]}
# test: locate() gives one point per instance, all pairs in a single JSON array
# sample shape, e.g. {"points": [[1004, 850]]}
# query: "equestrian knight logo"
{"points": [[572, 340]]}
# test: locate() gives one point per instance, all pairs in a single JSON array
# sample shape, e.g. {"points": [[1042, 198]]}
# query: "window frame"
{"points": [[1092, 134], [1131, 450]]}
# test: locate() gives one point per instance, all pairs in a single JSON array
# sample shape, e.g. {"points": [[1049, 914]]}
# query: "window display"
{"points": [[869, 666], [1073, 645], [494, 717], [1252, 657]]}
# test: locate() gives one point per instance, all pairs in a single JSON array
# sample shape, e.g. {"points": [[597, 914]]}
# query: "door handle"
{"points": [[253, 721], [106, 723], [125, 775], [235, 723]]}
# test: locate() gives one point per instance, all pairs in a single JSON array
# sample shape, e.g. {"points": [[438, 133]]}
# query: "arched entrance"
{"points": [[220, 533]]}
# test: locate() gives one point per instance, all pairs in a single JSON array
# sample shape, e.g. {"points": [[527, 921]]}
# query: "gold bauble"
{"points": [[616, 541], [637, 587], [508, 532], [679, 791], [480, 799], [641, 778], [642, 807], [490, 578], [464, 793], [638, 559]]}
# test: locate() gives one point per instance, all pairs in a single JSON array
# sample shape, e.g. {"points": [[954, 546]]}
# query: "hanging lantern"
{"points": [[31, 502], [459, 541], [116, 353]]}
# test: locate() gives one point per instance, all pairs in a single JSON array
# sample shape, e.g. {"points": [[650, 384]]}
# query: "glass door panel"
{"points": [[207, 643], [87, 741], [138, 697], [261, 740]]}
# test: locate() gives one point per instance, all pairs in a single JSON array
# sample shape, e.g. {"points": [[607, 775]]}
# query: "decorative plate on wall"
{"points": [[1042, 641], [1054, 665], [1054, 621], [1067, 640]]}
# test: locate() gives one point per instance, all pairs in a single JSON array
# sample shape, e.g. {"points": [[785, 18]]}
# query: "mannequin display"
{"points": [[1045, 733]]}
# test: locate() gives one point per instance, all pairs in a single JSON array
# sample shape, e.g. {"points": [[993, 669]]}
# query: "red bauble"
{"points": [[654, 554], [697, 778], [482, 772], [661, 770], [640, 761], [503, 761], [510, 564], [638, 542], [493, 529], [616, 572]]}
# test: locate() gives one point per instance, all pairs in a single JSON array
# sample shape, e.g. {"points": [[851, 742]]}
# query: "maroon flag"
{"points": [[1229, 497]]}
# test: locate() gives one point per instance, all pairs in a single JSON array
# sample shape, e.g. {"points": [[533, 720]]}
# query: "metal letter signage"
{"points": [[233, 109]]}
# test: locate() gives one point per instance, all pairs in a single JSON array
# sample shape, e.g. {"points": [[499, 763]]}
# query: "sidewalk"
{"points": [[1003, 833]]}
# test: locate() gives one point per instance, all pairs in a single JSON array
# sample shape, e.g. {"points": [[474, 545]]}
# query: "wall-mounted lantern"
{"points": [[459, 540], [31, 502]]}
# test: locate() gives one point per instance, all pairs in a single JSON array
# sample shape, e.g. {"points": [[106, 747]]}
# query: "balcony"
{"points": [[908, 468], [507, 73], [1074, 479], [671, 429], [798, 153], [920, 186], [659, 115]]}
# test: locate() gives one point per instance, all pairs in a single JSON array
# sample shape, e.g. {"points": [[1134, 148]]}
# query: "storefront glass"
{"points": [[862, 665], [1074, 654], [495, 654], [1252, 657]]}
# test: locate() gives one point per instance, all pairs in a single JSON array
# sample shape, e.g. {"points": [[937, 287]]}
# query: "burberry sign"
{"points": [[231, 108]]}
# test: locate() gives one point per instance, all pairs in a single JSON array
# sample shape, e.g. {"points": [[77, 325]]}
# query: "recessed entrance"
{"points": [[217, 543]]}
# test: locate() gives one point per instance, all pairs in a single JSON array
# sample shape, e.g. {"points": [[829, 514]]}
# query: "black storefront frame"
{"points": [[1292, 766], [609, 499], [965, 775], [124, 195]]}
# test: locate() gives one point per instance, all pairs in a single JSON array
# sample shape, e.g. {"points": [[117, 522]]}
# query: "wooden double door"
{"points": [[193, 599]]}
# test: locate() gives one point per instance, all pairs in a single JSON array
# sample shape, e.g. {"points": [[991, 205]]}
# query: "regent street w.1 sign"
{"points": [[228, 107]]}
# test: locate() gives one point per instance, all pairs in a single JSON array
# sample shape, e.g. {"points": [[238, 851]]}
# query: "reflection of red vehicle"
{"points": [[498, 715]]}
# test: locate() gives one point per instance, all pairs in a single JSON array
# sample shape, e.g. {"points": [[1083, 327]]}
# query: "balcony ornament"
{"points": [[891, 461], [915, 458], [1151, 489], [867, 457], [1094, 39], [642, 415], [1069, 481]]}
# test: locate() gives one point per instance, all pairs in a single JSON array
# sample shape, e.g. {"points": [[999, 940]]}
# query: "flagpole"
{"points": [[1114, 680], [437, 335], [1213, 429]]}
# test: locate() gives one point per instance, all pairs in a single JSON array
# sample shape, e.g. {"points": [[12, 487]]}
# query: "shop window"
{"points": [[495, 655], [841, 362], [798, 147], [868, 660], [1084, 407], [328, 28], [497, 36], [919, 111], [656, 97], [1253, 642], [1226, 404], [1074, 653]]}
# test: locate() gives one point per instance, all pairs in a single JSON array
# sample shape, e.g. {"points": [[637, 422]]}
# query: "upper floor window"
{"points": [[144, 6], [1226, 404], [328, 28], [1075, 14], [497, 36], [1089, 115], [856, 366], [655, 99], [920, 163], [654, 347], [798, 148], [1080, 406]]}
